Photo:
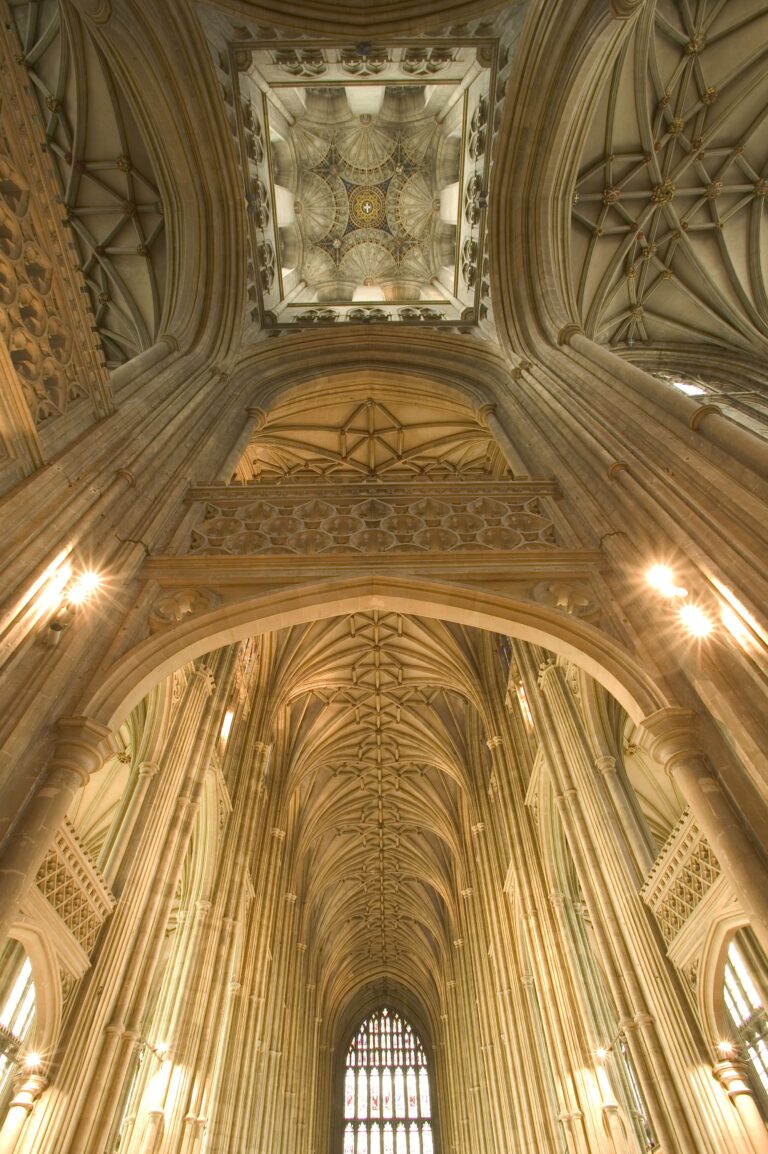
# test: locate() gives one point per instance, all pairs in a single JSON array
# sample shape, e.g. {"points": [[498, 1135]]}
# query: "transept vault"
{"points": [[383, 645]]}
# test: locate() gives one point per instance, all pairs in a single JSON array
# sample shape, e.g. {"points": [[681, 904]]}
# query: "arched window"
{"points": [[386, 1089], [17, 1013], [745, 972]]}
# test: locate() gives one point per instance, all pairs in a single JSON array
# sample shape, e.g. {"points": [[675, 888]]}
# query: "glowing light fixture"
{"points": [[726, 1048], [662, 579], [695, 620], [161, 1049], [83, 587], [33, 1060], [601, 1053]]}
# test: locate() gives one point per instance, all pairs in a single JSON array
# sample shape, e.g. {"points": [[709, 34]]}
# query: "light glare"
{"points": [[726, 1048], [662, 579], [226, 725], [601, 1053], [735, 626], [695, 620], [83, 588], [33, 1060]]}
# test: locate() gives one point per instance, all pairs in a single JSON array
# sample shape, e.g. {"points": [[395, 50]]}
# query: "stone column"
{"points": [[676, 745], [79, 751], [147, 771], [28, 1086], [486, 414], [707, 420], [608, 895], [630, 826], [732, 1076], [255, 421], [185, 761]]}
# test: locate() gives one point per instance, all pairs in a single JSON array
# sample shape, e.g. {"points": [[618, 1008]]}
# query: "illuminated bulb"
{"points": [[601, 1053], [161, 1049], [662, 579], [83, 588], [726, 1048], [33, 1060], [695, 620]]}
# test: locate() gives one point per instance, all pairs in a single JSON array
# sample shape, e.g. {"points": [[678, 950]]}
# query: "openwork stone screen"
{"points": [[386, 1090]]}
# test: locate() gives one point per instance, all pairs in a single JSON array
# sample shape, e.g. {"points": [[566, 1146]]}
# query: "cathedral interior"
{"points": [[383, 619]]}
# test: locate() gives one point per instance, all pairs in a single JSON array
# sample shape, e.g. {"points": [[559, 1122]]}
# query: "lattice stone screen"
{"points": [[75, 890], [684, 872]]}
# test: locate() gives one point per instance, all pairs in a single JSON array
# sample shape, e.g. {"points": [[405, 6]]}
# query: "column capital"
{"points": [[733, 1077], [673, 735], [623, 9], [258, 415], [28, 1085], [100, 12], [484, 411], [205, 675], [80, 746], [568, 332], [606, 764], [148, 768]]}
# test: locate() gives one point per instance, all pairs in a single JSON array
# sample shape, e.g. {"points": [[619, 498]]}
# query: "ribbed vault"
{"points": [[104, 174], [377, 728], [669, 203]]}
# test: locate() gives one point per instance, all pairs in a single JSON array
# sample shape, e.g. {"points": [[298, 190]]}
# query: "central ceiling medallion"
{"points": [[366, 207]]}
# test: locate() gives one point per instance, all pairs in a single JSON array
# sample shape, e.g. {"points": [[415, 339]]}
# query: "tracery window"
{"points": [[745, 405], [747, 1012], [387, 1107], [17, 1013]]}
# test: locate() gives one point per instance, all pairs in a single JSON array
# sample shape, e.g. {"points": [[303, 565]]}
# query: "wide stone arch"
{"points": [[118, 689]]}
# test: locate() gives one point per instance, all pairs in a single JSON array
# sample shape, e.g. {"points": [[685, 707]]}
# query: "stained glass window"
{"points": [[386, 1089]]}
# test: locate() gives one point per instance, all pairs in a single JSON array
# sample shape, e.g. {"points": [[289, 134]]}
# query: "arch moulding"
{"points": [[116, 690]]}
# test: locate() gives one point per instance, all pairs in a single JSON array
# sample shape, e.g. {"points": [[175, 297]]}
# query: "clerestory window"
{"points": [[387, 1104], [747, 1011]]}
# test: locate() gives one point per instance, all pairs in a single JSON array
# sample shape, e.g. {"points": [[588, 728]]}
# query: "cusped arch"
{"points": [[714, 954], [119, 689], [47, 981]]}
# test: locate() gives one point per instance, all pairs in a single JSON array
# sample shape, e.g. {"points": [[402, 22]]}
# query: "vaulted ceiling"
{"points": [[668, 240], [378, 732]]}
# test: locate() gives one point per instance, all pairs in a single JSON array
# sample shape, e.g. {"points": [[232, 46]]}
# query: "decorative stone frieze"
{"points": [[74, 888], [44, 322], [417, 518], [682, 875]]}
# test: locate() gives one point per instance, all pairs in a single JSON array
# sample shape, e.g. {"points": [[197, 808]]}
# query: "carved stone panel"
{"points": [[383, 519]]}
